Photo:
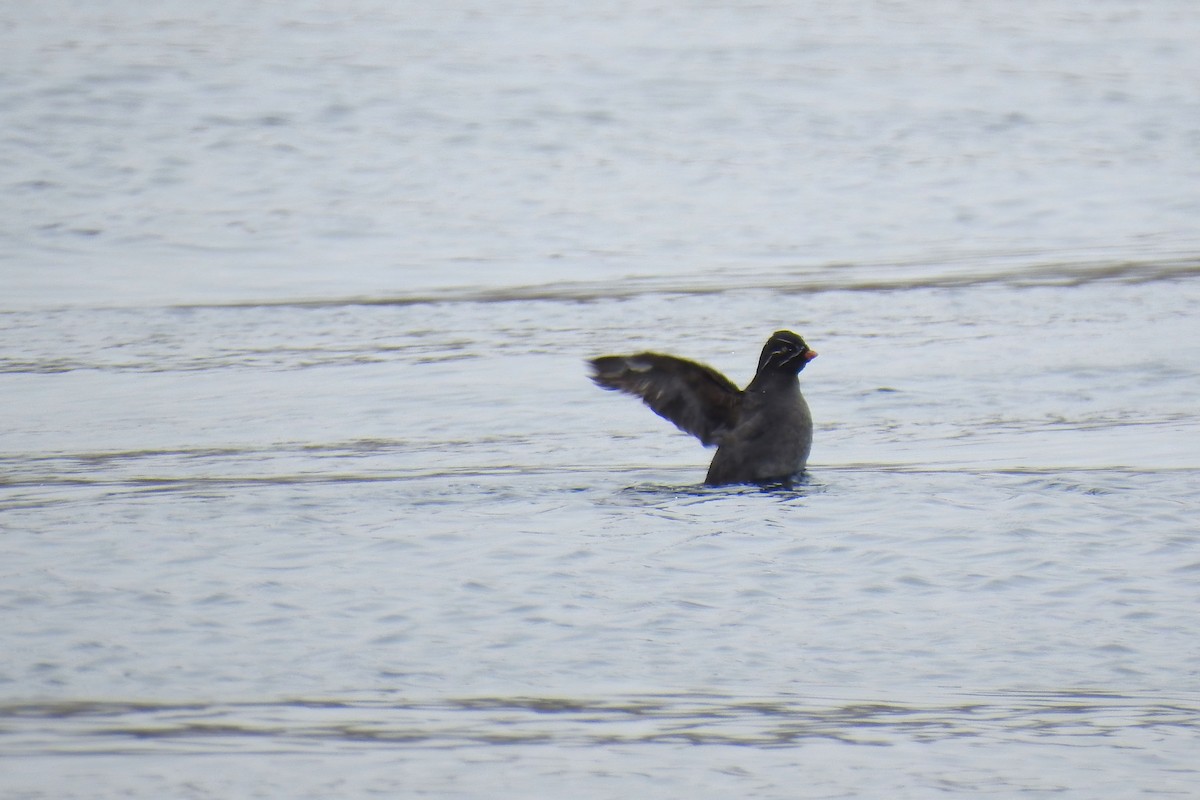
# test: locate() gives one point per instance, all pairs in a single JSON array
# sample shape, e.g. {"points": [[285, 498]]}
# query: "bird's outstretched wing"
{"points": [[698, 399]]}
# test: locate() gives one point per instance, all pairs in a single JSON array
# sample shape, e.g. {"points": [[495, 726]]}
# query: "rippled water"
{"points": [[304, 491]]}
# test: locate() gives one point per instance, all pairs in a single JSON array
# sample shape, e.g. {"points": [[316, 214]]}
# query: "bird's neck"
{"points": [[769, 380]]}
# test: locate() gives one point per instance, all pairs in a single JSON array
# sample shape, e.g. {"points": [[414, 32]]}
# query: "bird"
{"points": [[763, 433]]}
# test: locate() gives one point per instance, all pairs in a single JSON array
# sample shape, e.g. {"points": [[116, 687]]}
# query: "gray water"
{"points": [[304, 491]]}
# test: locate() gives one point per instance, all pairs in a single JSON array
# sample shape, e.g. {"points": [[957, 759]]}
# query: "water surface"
{"points": [[304, 490]]}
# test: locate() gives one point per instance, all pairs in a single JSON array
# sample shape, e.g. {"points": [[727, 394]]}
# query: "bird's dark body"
{"points": [[763, 434]]}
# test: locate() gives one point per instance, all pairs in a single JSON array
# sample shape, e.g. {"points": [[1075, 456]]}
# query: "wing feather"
{"points": [[697, 398]]}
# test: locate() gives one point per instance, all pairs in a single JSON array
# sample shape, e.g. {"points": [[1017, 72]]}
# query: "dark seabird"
{"points": [[763, 434]]}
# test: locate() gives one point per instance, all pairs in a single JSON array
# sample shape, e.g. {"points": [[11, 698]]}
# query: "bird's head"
{"points": [[785, 352]]}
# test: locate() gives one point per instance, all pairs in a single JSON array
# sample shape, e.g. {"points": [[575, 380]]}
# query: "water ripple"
{"points": [[299, 725]]}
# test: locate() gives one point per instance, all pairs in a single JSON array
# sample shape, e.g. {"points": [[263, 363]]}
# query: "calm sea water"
{"points": [[304, 491]]}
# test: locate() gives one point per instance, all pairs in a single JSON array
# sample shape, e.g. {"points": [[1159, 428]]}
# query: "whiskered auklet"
{"points": [[763, 434]]}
